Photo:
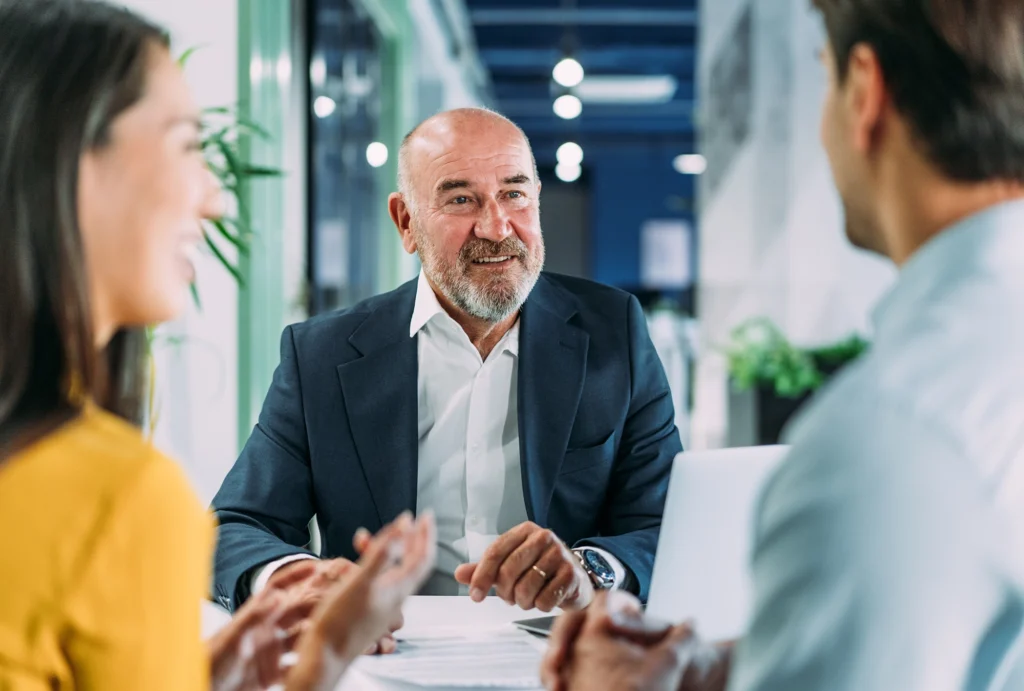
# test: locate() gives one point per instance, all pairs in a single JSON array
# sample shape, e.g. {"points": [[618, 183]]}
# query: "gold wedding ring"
{"points": [[542, 574]]}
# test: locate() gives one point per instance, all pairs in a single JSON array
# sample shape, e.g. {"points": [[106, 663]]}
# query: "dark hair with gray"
{"points": [[955, 69], [68, 68]]}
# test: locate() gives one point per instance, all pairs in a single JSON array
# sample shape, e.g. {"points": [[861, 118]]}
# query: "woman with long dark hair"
{"points": [[105, 551]]}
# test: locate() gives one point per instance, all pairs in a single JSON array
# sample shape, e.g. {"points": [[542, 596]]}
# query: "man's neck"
{"points": [[483, 334], [924, 205]]}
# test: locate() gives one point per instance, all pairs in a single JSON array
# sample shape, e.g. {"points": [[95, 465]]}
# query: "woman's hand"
{"points": [[245, 655], [361, 609]]}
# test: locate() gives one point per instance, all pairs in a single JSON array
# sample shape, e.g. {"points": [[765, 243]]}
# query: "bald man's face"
{"points": [[476, 218]]}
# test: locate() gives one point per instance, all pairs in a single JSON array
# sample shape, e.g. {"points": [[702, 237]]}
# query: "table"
{"points": [[426, 613], [422, 614]]}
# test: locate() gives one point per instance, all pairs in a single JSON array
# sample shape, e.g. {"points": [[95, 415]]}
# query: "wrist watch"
{"points": [[597, 567]]}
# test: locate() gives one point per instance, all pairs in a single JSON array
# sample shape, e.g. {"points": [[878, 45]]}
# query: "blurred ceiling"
{"points": [[520, 41]]}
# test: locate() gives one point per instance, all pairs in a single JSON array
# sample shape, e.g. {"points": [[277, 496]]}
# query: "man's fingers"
{"points": [[521, 560], [464, 573], [293, 572], [563, 637], [625, 619], [676, 651], [557, 589], [486, 574], [534, 580]]}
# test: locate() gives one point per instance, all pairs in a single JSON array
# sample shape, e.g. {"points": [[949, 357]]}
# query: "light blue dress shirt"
{"points": [[889, 546]]}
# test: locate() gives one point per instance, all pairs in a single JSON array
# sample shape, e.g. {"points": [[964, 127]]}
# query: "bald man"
{"points": [[528, 411]]}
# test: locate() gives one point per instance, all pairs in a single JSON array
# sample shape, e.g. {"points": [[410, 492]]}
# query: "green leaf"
{"points": [[195, 295], [262, 172], [760, 355], [183, 59], [224, 261], [221, 227]]}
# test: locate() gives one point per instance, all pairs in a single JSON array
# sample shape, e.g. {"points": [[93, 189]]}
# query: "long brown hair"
{"points": [[68, 68]]}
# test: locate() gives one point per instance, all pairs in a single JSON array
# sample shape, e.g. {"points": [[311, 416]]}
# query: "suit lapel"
{"points": [[553, 364], [380, 393]]}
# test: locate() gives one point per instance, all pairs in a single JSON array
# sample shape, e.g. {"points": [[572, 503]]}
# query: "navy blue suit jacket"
{"points": [[337, 436]]}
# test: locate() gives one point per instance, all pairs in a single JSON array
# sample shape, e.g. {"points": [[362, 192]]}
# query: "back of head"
{"points": [[955, 71], [67, 69]]}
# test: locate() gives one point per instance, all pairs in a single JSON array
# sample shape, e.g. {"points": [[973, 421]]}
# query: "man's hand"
{"points": [[530, 567], [365, 602], [610, 646], [309, 579]]}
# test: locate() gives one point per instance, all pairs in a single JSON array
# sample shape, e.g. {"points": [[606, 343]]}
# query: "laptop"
{"points": [[702, 567]]}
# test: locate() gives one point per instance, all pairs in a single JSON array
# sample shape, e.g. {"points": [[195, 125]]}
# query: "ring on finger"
{"points": [[543, 574]]}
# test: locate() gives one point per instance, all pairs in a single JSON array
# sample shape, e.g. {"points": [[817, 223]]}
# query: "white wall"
{"points": [[772, 240], [197, 379]]}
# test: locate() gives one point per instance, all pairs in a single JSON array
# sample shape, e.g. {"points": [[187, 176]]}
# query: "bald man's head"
{"points": [[447, 126], [469, 206]]}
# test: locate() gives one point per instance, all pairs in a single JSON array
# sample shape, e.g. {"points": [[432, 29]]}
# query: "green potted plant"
{"points": [[779, 375]]}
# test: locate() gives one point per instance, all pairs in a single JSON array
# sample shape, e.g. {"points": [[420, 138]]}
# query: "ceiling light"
{"points": [[570, 152], [568, 107], [628, 89], [568, 72], [690, 164], [568, 172], [318, 71], [323, 106], [376, 154]]}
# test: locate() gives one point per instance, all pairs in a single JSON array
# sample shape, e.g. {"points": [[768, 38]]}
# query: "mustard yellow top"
{"points": [[105, 554]]}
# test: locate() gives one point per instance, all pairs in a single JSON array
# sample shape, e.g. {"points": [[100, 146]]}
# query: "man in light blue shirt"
{"points": [[889, 547]]}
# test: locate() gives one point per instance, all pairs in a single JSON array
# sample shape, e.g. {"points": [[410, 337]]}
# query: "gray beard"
{"points": [[492, 306]]}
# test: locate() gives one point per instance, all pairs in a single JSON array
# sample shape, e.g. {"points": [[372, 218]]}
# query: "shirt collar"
{"points": [[988, 243], [427, 307]]}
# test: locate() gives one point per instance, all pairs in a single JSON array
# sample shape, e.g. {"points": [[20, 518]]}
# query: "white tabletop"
{"points": [[423, 616], [427, 615]]}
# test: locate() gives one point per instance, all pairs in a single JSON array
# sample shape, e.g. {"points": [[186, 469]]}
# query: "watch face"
{"points": [[598, 566]]}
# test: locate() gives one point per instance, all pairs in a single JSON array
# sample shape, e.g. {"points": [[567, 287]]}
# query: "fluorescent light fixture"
{"points": [[324, 106], [570, 153], [376, 154], [690, 164], [568, 172], [568, 72], [568, 107], [628, 89]]}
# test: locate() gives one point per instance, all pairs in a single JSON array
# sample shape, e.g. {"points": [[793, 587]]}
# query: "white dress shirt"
{"points": [[469, 470], [889, 548]]}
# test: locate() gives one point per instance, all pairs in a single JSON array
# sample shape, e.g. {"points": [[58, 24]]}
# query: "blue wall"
{"points": [[628, 188]]}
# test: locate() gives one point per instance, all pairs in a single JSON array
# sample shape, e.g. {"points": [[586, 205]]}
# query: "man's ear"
{"points": [[402, 219], [866, 96]]}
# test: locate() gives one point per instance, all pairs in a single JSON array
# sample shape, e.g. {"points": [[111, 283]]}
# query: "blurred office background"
{"points": [[679, 154]]}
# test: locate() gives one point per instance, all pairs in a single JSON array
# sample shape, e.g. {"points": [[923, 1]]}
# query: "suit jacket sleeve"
{"points": [[633, 510], [266, 502]]}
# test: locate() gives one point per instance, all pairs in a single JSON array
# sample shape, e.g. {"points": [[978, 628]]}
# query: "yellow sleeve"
{"points": [[134, 614]]}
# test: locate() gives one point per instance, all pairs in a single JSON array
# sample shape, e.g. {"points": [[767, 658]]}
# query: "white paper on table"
{"points": [[489, 659]]}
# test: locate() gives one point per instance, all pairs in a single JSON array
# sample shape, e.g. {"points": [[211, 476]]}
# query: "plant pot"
{"points": [[759, 416]]}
